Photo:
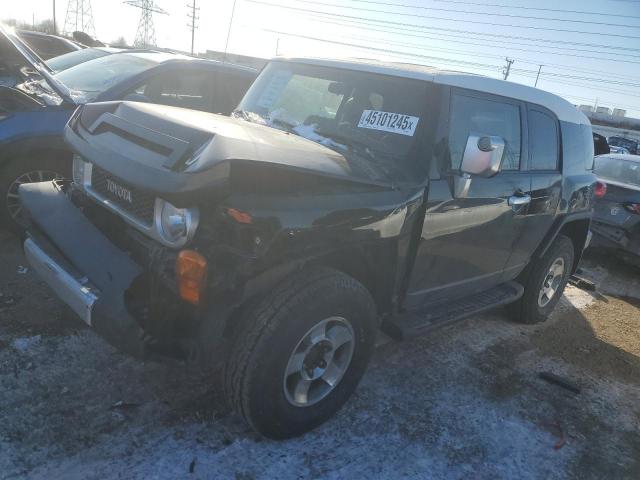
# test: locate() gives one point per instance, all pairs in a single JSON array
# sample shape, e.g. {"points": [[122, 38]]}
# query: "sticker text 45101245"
{"points": [[388, 122]]}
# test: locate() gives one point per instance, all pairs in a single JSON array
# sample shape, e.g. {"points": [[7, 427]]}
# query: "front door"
{"points": [[466, 242]]}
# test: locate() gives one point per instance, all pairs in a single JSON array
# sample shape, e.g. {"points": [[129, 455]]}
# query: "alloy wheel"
{"points": [[319, 361]]}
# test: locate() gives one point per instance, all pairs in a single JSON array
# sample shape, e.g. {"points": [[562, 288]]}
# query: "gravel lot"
{"points": [[465, 401]]}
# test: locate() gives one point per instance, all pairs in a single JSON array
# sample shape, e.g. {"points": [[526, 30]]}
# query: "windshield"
{"points": [[71, 59], [618, 170], [374, 120], [89, 79], [622, 142]]}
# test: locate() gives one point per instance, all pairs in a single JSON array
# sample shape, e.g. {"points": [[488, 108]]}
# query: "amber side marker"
{"points": [[238, 216], [191, 274]]}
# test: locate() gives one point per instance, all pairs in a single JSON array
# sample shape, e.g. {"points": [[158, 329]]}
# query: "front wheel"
{"points": [[545, 283], [300, 353]]}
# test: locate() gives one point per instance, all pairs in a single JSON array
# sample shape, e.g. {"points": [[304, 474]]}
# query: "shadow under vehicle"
{"points": [[340, 197]]}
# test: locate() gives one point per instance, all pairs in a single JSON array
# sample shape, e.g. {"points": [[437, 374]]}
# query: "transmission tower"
{"points": [[146, 33], [79, 18]]}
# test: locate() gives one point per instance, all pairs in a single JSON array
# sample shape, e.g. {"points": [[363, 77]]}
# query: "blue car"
{"points": [[33, 114]]}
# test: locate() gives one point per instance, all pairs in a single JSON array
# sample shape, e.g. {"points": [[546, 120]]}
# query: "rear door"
{"points": [[544, 168], [466, 242]]}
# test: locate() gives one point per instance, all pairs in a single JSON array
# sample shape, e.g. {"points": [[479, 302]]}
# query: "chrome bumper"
{"points": [[71, 290]]}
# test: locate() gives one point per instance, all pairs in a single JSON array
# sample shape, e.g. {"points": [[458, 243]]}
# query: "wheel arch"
{"points": [[48, 145], [576, 228]]}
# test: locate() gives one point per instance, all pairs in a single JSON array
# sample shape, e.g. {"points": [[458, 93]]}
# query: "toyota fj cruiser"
{"points": [[341, 197]]}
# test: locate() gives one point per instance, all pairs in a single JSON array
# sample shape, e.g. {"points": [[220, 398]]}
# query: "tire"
{"points": [[23, 170], [535, 307], [278, 326]]}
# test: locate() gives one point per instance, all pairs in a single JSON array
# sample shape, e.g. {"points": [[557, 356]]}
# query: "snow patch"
{"points": [[23, 344]]}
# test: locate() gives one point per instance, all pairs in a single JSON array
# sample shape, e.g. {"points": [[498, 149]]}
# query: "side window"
{"points": [[543, 141], [487, 117], [185, 89], [228, 92]]}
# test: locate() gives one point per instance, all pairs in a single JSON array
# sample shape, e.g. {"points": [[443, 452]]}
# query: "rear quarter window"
{"points": [[577, 146], [543, 141]]}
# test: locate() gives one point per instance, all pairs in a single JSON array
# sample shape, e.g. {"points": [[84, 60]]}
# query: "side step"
{"points": [[438, 314]]}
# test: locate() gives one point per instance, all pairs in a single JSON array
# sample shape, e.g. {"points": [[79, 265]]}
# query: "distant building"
{"points": [[604, 110], [586, 108], [619, 112]]}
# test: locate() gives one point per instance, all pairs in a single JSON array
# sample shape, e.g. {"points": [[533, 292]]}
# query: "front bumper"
{"points": [[81, 265]]}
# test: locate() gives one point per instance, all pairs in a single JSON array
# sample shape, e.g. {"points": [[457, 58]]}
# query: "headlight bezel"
{"points": [[163, 229]]}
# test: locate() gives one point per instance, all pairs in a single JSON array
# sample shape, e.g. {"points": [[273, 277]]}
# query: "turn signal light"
{"points": [[238, 216], [191, 273], [600, 190]]}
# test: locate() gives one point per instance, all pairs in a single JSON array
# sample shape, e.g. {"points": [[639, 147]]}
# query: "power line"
{"points": [[508, 15], [403, 24], [539, 9], [430, 17], [438, 35], [525, 73], [611, 81]]}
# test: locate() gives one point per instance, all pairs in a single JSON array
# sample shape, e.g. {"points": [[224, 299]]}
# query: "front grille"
{"points": [[141, 204]]}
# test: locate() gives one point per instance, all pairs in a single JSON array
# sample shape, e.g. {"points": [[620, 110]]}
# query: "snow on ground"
{"points": [[463, 401]]}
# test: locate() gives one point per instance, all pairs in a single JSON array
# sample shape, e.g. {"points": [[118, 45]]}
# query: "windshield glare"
{"points": [[71, 59], [362, 115], [89, 79], [618, 170]]}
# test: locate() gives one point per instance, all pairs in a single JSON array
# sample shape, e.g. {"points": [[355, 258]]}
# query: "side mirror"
{"points": [[483, 155]]}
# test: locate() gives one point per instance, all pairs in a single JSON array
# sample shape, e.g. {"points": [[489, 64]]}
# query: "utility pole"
{"points": [[506, 69], [55, 28], [226, 45], [193, 25], [538, 76]]}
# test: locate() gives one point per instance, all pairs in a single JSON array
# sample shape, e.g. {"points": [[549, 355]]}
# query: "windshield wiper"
{"points": [[288, 126]]}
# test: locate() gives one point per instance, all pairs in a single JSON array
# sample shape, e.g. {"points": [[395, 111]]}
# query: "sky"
{"points": [[589, 49]]}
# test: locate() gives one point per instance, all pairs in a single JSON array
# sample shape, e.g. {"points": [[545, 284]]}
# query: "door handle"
{"points": [[519, 200]]}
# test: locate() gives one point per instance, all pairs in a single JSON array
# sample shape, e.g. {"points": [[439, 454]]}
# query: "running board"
{"points": [[416, 323]]}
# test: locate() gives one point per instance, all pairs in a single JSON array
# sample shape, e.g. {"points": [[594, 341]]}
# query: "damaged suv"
{"points": [[341, 198]]}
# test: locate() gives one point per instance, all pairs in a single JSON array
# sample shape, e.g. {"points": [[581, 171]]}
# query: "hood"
{"points": [[19, 53], [172, 149]]}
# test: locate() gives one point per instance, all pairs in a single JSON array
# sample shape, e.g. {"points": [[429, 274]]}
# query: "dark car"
{"points": [[34, 113], [341, 197], [627, 143], [616, 220], [48, 46]]}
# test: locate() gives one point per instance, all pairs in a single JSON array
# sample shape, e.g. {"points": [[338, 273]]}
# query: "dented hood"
{"points": [[169, 149]]}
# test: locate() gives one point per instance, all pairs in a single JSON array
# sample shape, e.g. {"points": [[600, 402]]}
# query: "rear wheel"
{"points": [[545, 283], [20, 171], [300, 353]]}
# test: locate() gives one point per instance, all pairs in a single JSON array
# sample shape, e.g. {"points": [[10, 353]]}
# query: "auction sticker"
{"points": [[389, 122], [271, 94]]}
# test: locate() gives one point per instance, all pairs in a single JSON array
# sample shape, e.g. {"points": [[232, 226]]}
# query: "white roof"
{"points": [[563, 109]]}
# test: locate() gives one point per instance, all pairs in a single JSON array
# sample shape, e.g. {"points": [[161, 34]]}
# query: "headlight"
{"points": [[78, 170], [176, 225]]}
